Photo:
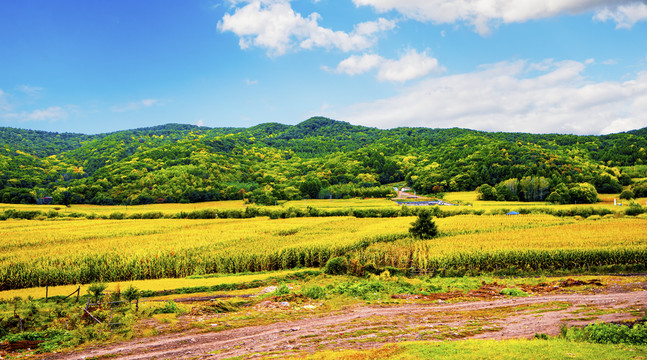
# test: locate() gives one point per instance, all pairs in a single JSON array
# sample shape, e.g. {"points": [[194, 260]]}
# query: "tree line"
{"points": [[318, 158]]}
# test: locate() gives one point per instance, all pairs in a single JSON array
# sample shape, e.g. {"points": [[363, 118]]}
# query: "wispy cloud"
{"points": [[411, 65], [513, 96], [52, 114], [483, 15], [275, 26], [4, 103], [624, 15], [9, 111], [251, 82], [30, 90], [136, 105]]}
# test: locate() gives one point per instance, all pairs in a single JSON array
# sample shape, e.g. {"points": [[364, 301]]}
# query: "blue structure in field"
{"points": [[45, 200], [424, 203], [512, 213]]}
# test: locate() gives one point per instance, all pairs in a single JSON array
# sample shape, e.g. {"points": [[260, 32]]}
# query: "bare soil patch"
{"points": [[483, 314]]}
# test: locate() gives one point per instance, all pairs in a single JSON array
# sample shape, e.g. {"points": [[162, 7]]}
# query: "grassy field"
{"points": [[490, 349], [150, 285]]}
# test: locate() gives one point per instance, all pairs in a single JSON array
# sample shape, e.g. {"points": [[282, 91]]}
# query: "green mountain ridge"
{"points": [[317, 158]]}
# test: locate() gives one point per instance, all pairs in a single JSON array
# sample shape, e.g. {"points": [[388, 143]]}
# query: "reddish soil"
{"points": [[441, 316]]}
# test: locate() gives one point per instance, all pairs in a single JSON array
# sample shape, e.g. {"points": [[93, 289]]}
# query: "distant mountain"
{"points": [[319, 157]]}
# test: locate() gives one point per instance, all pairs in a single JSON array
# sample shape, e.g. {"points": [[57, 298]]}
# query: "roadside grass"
{"points": [[488, 349]]}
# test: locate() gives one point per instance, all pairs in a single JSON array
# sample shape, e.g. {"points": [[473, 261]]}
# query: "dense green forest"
{"points": [[318, 158]]}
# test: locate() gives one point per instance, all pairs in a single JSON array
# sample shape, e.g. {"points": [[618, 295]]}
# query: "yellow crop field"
{"points": [[79, 251], [586, 242], [57, 252]]}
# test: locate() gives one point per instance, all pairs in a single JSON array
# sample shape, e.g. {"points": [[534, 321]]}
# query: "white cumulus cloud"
{"points": [[411, 65], [273, 25], [513, 96], [625, 16], [359, 64], [484, 14]]}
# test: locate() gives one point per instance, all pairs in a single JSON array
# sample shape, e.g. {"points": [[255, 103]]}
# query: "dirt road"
{"points": [[364, 327]]}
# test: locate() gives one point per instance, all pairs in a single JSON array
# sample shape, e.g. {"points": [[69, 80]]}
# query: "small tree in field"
{"points": [[424, 227], [96, 290], [131, 294]]}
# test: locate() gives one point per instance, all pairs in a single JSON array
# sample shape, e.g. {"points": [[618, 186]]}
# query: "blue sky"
{"points": [[541, 66]]}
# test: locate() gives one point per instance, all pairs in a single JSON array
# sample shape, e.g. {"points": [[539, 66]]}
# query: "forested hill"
{"points": [[317, 158]]}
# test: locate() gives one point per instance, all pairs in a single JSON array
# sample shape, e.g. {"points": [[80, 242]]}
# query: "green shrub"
{"points": [[336, 266], [604, 333], [281, 290], [117, 216], [634, 209], [314, 292], [514, 292], [170, 307], [627, 194]]}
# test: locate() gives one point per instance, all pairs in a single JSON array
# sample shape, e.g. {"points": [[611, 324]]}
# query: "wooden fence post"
{"points": [[78, 292], [46, 292]]}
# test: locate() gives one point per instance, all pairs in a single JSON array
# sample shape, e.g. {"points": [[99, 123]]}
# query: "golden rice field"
{"points": [[58, 252]]}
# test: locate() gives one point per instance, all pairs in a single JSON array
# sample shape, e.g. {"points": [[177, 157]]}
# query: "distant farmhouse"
{"points": [[425, 203], [47, 200]]}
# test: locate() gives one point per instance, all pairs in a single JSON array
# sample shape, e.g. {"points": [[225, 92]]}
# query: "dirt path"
{"points": [[365, 327]]}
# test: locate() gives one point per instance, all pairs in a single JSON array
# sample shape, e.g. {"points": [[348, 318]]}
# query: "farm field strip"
{"points": [[24, 239], [82, 251], [323, 204], [609, 241], [152, 285]]}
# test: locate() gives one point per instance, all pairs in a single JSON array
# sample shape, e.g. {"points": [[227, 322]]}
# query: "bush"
{"points": [[314, 292], [513, 292], [117, 216], [336, 266], [169, 308], [603, 333], [627, 194], [634, 209], [281, 290]]}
